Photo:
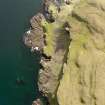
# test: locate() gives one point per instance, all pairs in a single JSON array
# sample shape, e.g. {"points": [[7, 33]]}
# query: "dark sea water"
{"points": [[16, 61]]}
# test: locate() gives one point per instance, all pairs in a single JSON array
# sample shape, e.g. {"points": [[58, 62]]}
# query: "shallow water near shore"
{"points": [[16, 61]]}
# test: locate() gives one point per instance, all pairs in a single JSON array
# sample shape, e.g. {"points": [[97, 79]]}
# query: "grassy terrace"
{"points": [[49, 29]]}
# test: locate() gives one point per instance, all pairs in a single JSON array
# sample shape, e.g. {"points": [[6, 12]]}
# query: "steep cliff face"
{"points": [[83, 81], [70, 34]]}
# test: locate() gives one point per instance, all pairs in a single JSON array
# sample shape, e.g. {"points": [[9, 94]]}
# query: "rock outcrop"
{"points": [[37, 102], [34, 37], [70, 36]]}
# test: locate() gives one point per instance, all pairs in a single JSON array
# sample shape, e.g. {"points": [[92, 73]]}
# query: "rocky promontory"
{"points": [[69, 35]]}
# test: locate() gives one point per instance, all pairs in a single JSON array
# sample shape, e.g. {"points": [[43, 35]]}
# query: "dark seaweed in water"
{"points": [[20, 81]]}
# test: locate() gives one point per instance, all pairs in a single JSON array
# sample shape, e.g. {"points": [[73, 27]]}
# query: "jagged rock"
{"points": [[36, 21], [37, 102], [34, 38]]}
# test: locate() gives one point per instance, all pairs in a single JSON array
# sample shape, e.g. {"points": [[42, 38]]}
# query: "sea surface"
{"points": [[16, 61]]}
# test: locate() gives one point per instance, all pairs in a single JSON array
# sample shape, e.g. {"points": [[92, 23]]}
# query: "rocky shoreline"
{"points": [[68, 34], [35, 39]]}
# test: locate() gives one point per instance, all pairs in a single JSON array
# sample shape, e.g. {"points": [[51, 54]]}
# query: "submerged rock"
{"points": [[20, 81]]}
